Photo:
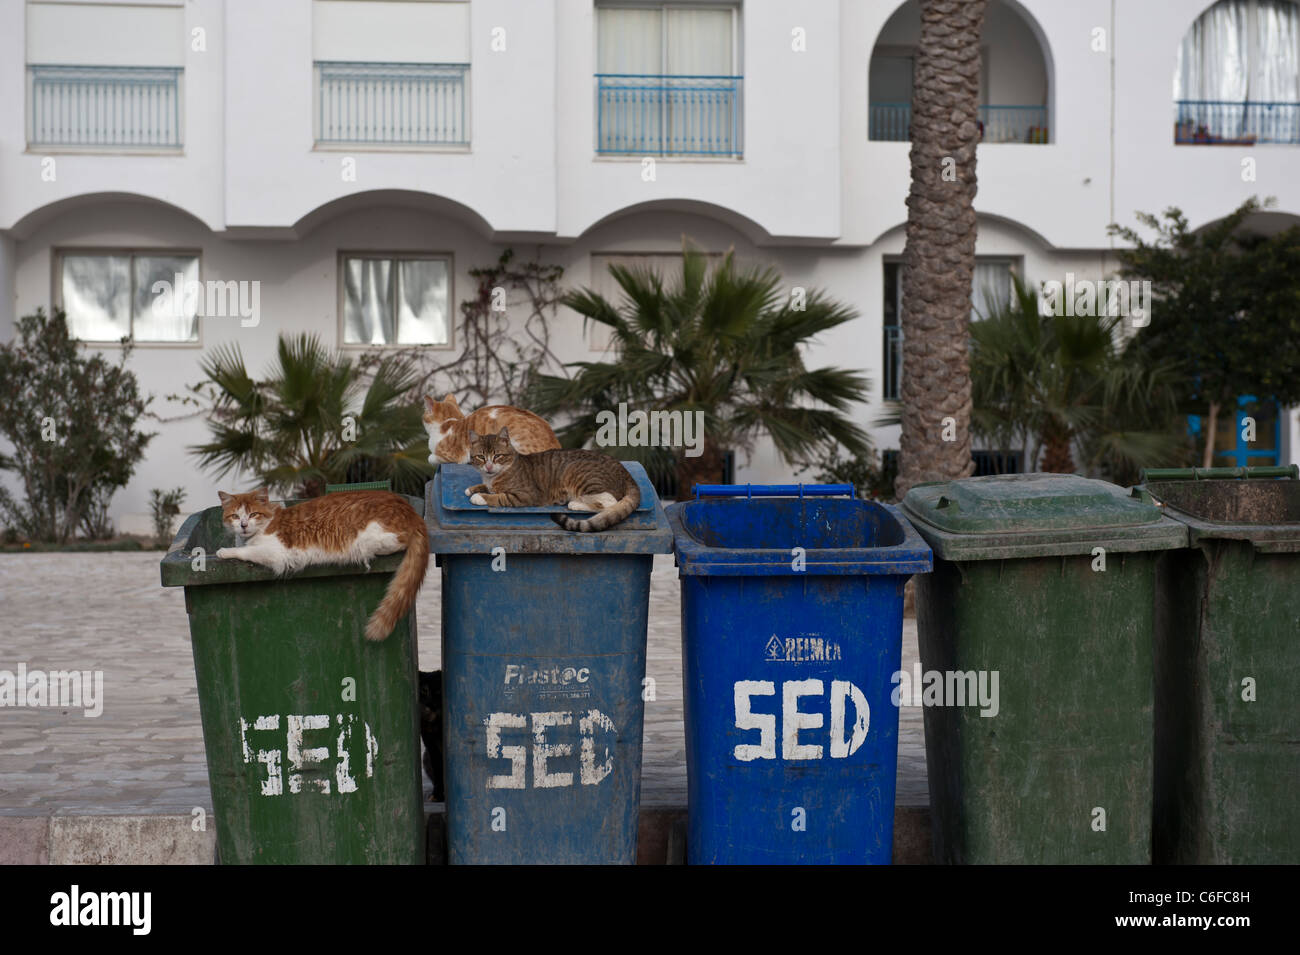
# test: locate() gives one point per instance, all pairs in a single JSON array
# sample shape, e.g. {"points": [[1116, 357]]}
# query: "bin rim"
{"points": [[695, 558], [1276, 538], [1157, 533], [525, 532], [176, 568]]}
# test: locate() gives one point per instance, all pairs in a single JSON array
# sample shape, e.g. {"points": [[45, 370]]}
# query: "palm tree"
{"points": [[314, 420], [939, 256], [1053, 384], [721, 341]]}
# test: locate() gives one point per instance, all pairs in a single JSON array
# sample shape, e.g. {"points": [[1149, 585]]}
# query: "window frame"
{"points": [[59, 253], [1015, 267], [395, 257], [735, 8]]}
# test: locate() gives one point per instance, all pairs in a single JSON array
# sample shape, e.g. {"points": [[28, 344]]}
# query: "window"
{"points": [[667, 264], [1237, 81], [668, 81], [990, 289], [109, 296], [105, 76], [396, 300], [395, 74]]}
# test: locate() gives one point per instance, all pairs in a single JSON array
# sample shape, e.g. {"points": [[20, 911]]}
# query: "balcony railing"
{"points": [[1218, 122], [646, 114], [892, 122], [404, 104], [118, 107]]}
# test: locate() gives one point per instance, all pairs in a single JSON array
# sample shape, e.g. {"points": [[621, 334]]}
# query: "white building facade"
{"points": [[356, 158]]}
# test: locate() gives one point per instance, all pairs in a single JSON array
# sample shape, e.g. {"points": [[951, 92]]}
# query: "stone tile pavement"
{"points": [[144, 754]]}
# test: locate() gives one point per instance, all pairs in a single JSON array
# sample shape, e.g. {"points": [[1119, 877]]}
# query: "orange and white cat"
{"points": [[352, 527], [449, 429]]}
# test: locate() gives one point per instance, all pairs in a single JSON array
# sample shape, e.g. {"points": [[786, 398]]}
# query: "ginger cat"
{"points": [[584, 480], [449, 428], [352, 527]]}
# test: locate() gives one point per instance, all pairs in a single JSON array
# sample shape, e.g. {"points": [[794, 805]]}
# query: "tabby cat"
{"points": [[431, 730], [584, 480], [352, 527], [449, 429]]}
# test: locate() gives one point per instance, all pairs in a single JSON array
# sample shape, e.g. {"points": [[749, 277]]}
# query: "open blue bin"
{"points": [[792, 618], [543, 657]]}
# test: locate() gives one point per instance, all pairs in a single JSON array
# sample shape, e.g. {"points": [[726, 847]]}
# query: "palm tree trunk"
{"points": [[1057, 458], [1211, 429], [939, 257], [705, 469]]}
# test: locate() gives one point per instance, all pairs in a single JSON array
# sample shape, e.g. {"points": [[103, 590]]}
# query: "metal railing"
{"points": [[134, 107], [408, 104], [649, 114], [1219, 122], [892, 122]]}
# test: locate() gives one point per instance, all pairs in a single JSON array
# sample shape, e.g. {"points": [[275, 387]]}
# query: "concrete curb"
{"points": [[171, 839]]}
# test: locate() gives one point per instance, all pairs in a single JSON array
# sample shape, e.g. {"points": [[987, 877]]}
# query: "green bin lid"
{"points": [[1036, 515]]}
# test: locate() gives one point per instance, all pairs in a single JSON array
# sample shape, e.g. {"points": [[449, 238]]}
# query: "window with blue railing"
{"points": [[105, 76], [1015, 78], [668, 81], [391, 74], [1237, 79], [990, 290]]}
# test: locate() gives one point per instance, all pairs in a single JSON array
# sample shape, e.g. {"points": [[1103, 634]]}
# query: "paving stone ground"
{"points": [[144, 754]]}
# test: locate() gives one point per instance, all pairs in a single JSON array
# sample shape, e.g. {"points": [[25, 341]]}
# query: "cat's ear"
{"points": [[504, 435], [473, 435], [451, 400], [430, 403], [224, 496], [261, 495]]}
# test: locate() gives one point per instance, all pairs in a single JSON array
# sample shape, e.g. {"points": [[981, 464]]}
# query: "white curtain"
{"points": [[97, 296], [1238, 52], [164, 324], [1212, 57], [1277, 48], [629, 40], [991, 288], [699, 42], [368, 302], [422, 302]]}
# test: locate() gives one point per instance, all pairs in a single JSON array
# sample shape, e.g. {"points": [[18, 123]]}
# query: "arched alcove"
{"points": [[1016, 88]]}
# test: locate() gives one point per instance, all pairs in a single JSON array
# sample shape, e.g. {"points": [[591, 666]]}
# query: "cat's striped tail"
{"points": [[405, 583], [620, 511]]}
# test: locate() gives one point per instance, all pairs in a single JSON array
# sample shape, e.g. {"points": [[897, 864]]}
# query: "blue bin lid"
{"points": [[756, 537], [458, 527]]}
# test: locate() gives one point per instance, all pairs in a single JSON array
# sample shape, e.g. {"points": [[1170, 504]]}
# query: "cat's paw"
{"points": [[227, 552], [578, 506], [477, 499]]}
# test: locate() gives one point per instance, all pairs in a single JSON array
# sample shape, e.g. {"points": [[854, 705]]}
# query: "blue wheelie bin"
{"points": [[792, 618], [543, 657]]}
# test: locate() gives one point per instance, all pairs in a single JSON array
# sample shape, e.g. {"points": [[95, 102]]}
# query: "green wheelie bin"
{"points": [[1041, 605], [1228, 668], [311, 731]]}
